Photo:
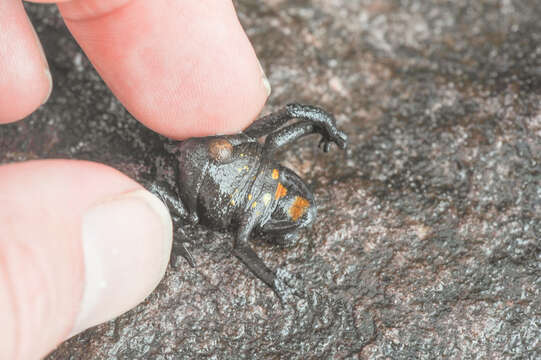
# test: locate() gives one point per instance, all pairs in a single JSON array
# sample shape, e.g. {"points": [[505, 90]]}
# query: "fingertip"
{"points": [[183, 69], [26, 80]]}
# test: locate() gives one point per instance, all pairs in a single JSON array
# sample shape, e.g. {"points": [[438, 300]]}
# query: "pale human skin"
{"points": [[186, 69]]}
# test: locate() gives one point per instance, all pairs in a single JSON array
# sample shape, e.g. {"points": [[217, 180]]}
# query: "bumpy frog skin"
{"points": [[232, 183]]}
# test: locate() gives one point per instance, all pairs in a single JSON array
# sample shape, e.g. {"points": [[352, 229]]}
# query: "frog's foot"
{"points": [[286, 286], [181, 249], [338, 137], [192, 218]]}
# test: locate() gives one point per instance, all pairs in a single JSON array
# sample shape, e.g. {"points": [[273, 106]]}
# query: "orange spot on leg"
{"points": [[275, 174], [281, 191], [298, 208]]}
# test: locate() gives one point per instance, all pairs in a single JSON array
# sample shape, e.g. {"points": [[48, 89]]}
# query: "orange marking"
{"points": [[298, 208], [275, 174], [281, 191]]}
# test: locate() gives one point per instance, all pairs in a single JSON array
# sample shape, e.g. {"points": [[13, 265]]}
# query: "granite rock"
{"points": [[427, 243]]}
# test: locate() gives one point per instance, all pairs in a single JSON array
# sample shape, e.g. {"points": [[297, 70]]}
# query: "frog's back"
{"points": [[214, 175]]}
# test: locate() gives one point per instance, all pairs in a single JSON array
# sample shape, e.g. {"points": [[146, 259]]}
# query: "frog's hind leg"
{"points": [[274, 121], [268, 123]]}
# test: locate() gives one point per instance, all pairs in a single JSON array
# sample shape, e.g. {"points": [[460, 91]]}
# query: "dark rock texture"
{"points": [[427, 243]]}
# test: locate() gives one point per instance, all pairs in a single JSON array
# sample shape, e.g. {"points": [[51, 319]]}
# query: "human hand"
{"points": [[80, 243]]}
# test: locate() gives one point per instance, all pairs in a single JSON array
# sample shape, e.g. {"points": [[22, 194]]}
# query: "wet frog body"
{"points": [[236, 181], [232, 183], [217, 174]]}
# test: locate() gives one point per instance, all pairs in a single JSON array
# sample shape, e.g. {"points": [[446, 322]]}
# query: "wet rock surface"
{"points": [[427, 243]]}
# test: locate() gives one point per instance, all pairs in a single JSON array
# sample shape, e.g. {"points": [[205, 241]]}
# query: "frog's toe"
{"points": [[186, 254], [181, 249], [342, 140], [193, 219], [285, 286]]}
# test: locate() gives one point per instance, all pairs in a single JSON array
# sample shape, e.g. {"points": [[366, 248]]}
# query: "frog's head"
{"points": [[294, 209]]}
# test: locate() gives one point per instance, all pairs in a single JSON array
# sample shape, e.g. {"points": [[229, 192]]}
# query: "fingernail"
{"points": [[45, 64], [50, 80], [126, 248], [265, 80]]}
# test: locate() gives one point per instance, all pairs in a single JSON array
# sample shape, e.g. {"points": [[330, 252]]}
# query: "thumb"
{"points": [[80, 243]]}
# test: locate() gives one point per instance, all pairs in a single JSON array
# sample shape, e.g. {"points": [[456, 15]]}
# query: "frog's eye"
{"points": [[220, 150]]}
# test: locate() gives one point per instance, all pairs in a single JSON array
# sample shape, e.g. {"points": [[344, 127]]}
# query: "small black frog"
{"points": [[231, 182]]}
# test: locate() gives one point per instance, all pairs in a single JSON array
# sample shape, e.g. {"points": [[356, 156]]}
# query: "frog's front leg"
{"points": [[173, 202], [178, 213]]}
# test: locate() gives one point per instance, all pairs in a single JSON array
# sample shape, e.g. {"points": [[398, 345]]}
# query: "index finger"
{"points": [[183, 68]]}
